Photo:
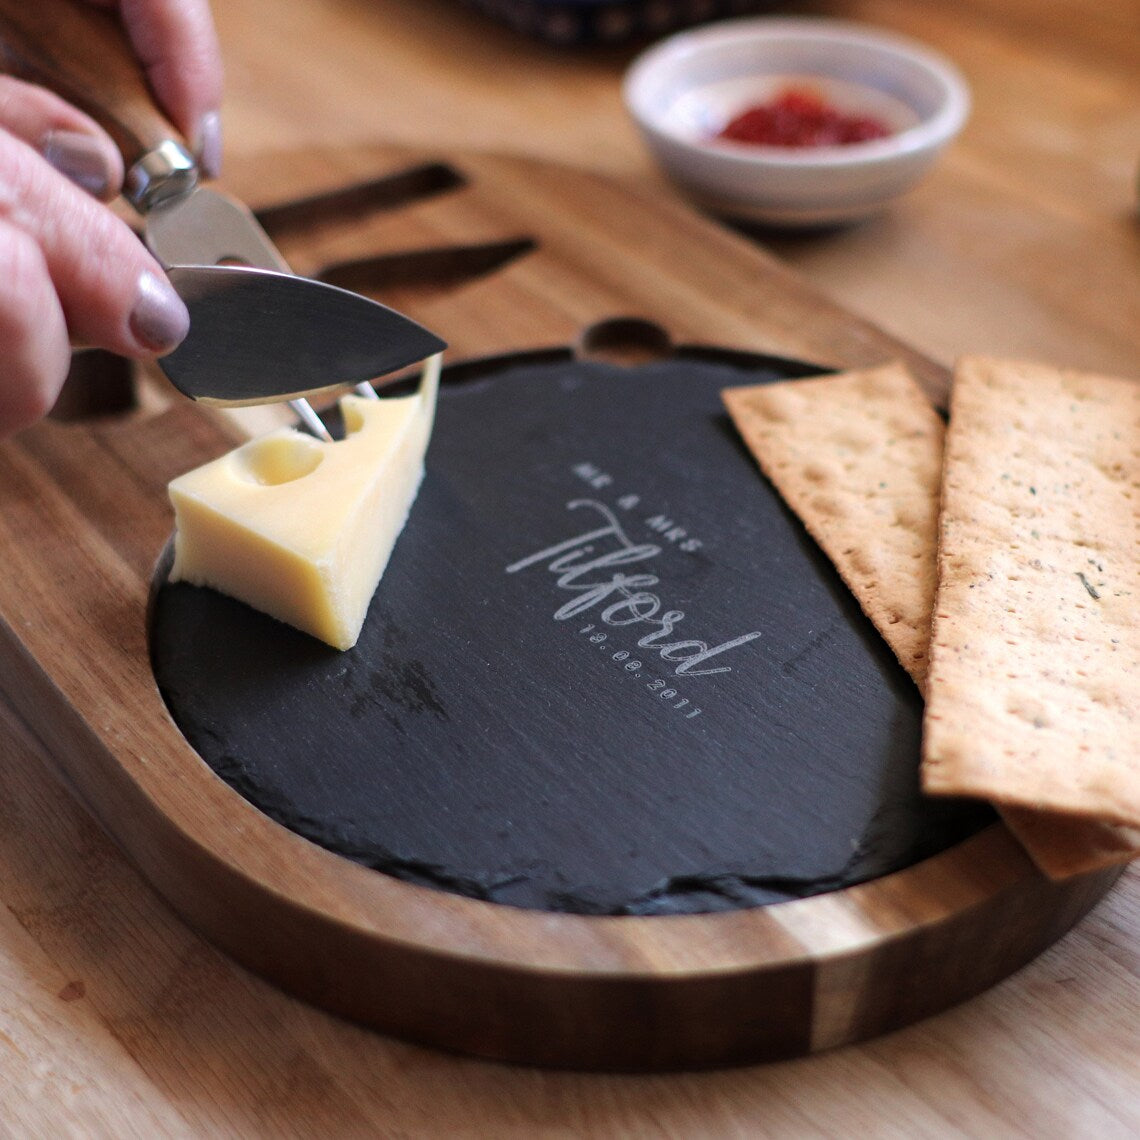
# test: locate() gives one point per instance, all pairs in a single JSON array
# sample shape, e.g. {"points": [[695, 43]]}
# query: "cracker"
{"points": [[854, 455], [888, 494], [1033, 692], [1065, 845]]}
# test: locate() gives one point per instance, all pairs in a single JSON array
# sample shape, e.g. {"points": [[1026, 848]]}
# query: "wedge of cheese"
{"points": [[302, 529]]}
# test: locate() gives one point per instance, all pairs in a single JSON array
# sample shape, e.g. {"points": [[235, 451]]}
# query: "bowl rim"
{"points": [[930, 132]]}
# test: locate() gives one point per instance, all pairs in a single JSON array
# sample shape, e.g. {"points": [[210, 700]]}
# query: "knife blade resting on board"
{"points": [[258, 333]]}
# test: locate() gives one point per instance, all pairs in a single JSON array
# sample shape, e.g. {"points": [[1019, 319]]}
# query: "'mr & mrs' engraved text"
{"points": [[582, 564]]}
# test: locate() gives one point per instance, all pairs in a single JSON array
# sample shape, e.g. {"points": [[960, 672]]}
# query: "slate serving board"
{"points": [[605, 672]]}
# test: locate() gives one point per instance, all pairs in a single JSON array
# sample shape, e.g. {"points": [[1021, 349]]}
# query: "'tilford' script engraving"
{"points": [[624, 597]]}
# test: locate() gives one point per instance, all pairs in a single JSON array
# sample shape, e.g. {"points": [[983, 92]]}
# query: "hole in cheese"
{"points": [[273, 461]]}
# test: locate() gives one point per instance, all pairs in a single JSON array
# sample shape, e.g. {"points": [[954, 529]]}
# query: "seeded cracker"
{"points": [[1033, 693], [888, 496], [858, 457]]}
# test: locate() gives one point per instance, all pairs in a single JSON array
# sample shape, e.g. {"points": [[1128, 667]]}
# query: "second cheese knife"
{"points": [[258, 334]]}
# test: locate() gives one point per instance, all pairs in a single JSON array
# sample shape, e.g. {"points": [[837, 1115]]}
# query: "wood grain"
{"points": [[84, 516], [171, 1039]]}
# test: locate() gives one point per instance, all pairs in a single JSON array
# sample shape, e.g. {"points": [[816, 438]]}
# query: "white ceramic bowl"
{"points": [[682, 91]]}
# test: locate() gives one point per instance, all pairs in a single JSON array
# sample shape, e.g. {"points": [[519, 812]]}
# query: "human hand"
{"points": [[178, 48], [71, 271]]}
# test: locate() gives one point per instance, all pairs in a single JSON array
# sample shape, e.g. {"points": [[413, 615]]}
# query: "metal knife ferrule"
{"points": [[166, 172]]}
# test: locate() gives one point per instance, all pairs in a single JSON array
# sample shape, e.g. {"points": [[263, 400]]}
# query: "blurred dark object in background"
{"points": [[567, 22]]}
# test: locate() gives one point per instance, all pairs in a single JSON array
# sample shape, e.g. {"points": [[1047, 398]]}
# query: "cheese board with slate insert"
{"points": [[618, 775]]}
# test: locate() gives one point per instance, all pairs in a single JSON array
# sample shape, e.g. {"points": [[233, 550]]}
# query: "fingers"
{"points": [[69, 268], [33, 332], [71, 141], [178, 47]]}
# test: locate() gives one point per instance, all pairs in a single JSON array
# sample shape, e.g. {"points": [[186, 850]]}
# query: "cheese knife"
{"points": [[258, 334]]}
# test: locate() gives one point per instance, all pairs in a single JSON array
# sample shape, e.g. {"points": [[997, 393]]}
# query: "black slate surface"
{"points": [[605, 672]]}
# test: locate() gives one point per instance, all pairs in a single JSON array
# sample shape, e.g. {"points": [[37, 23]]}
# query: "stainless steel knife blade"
{"points": [[251, 320], [257, 332], [264, 331]]}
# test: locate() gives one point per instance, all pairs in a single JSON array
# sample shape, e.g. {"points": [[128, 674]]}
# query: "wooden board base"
{"points": [[498, 255]]}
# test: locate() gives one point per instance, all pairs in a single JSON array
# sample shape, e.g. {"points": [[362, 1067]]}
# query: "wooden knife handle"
{"points": [[82, 53]]}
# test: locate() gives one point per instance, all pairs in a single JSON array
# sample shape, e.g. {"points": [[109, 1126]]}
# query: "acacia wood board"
{"points": [[504, 257]]}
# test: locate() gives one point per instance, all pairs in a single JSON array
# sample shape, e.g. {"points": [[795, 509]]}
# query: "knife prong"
{"points": [[310, 419], [308, 416]]}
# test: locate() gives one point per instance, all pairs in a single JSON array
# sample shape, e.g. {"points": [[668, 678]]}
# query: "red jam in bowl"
{"points": [[799, 117]]}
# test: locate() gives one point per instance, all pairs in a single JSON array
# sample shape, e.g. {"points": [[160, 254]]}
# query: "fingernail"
{"points": [[80, 158], [159, 320], [209, 144]]}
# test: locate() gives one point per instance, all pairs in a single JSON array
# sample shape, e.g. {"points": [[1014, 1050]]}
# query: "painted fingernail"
{"points": [[80, 158], [159, 320], [209, 144]]}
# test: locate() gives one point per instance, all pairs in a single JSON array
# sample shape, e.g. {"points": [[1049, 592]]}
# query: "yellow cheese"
{"points": [[302, 529]]}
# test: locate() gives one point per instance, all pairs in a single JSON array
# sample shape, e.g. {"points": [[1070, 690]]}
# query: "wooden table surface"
{"points": [[117, 1020]]}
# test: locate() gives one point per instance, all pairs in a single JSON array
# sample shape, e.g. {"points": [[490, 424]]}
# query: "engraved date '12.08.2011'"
{"points": [[591, 567]]}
